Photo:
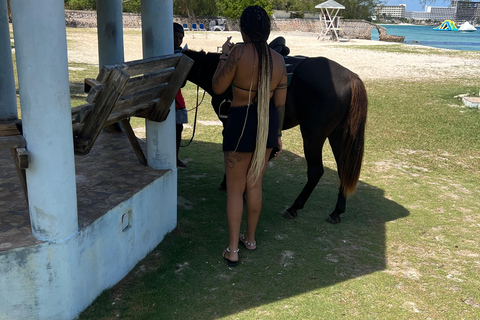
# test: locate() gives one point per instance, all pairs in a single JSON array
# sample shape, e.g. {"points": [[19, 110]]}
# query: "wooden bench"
{"points": [[11, 138], [142, 88]]}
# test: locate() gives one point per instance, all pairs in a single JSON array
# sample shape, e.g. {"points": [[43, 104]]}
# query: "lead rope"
{"points": [[195, 120]]}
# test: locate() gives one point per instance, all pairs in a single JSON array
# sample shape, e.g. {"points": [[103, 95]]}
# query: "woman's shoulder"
{"points": [[276, 56]]}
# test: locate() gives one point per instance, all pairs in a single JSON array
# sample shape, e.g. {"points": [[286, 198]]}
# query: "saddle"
{"points": [[291, 62]]}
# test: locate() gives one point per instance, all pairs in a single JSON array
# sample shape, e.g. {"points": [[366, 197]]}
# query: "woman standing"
{"points": [[258, 79]]}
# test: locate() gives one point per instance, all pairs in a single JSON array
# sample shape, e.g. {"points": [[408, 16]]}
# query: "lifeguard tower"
{"points": [[329, 16]]}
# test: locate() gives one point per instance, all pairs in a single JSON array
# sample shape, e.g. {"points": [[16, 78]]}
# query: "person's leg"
{"points": [[254, 205], [179, 129], [236, 167]]}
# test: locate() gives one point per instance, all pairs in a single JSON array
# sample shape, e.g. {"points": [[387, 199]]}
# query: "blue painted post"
{"points": [[8, 98], [42, 66], [157, 37], [110, 32]]}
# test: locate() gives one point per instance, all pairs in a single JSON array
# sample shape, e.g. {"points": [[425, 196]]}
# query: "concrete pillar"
{"points": [[110, 32], [41, 51], [157, 37], [8, 98]]}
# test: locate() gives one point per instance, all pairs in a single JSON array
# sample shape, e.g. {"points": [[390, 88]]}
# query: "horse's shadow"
{"points": [[293, 256]]}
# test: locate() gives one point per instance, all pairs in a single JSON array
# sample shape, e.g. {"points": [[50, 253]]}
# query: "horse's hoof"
{"points": [[333, 221], [288, 215]]}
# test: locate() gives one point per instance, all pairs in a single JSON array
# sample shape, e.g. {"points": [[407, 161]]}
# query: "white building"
{"points": [[390, 11], [432, 13]]}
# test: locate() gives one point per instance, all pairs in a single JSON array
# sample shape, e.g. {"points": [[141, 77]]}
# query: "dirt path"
{"points": [[369, 64]]}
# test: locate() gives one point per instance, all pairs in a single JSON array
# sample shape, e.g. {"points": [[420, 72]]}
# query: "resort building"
{"points": [[441, 13], [467, 11], [432, 13], [390, 11], [459, 11]]}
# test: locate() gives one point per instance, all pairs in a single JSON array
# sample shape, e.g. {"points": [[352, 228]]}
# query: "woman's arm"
{"points": [[279, 98], [226, 68]]}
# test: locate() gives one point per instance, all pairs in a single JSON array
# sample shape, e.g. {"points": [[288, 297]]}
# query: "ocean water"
{"points": [[426, 36]]}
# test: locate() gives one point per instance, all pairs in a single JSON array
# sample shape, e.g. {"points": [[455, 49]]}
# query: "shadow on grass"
{"points": [[186, 277]]}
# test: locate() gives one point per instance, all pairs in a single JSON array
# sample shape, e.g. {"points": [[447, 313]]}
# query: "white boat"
{"points": [[466, 26]]}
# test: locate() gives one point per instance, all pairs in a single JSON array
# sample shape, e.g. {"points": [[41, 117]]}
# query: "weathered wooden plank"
{"points": [[105, 72], [12, 142], [94, 93], [137, 67], [136, 111], [89, 83], [22, 158], [139, 98], [136, 84], [80, 113], [20, 155], [116, 82], [160, 112], [147, 81], [9, 128], [134, 142]]}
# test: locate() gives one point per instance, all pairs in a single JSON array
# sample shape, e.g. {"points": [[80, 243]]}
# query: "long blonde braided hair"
{"points": [[255, 23]]}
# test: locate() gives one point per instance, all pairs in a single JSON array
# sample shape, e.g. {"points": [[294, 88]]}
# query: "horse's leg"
{"points": [[312, 146], [336, 141]]}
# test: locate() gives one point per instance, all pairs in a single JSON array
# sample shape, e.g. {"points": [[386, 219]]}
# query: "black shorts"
{"points": [[238, 117]]}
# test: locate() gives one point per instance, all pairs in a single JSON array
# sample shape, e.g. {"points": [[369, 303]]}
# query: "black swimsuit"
{"points": [[240, 133]]}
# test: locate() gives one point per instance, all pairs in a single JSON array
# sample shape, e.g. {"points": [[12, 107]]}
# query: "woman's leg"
{"points": [[236, 167], [254, 203]]}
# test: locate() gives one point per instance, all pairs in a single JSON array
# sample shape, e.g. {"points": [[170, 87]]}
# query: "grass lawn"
{"points": [[408, 246]]}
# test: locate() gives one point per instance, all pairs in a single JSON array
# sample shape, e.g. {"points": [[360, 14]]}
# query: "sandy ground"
{"points": [[369, 64]]}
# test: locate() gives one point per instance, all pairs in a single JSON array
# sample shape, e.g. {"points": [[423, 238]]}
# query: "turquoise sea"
{"points": [[426, 36]]}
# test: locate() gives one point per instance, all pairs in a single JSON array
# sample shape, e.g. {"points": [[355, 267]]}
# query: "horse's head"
{"points": [[201, 74], [203, 69]]}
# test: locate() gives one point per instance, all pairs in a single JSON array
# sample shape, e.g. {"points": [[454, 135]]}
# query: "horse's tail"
{"points": [[354, 137]]}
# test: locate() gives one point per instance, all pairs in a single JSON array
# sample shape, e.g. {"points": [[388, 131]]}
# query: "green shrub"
{"points": [[81, 4], [132, 6]]}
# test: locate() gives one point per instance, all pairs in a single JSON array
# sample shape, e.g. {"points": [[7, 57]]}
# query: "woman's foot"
{"points": [[249, 246], [229, 256]]}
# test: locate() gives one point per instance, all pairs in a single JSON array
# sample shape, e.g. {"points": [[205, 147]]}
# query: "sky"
{"points": [[414, 5]]}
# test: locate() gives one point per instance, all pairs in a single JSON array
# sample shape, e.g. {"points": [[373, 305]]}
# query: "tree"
{"points": [[133, 6], [233, 9], [359, 9], [81, 4], [192, 8], [294, 5]]}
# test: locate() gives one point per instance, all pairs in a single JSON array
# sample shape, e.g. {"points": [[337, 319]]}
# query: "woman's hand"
{"points": [[227, 46], [279, 146]]}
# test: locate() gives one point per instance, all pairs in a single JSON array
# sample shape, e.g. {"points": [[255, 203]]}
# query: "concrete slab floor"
{"points": [[107, 176]]}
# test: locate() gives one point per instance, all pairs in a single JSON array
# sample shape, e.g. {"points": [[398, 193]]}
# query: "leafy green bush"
{"points": [[132, 6], [128, 6], [81, 4]]}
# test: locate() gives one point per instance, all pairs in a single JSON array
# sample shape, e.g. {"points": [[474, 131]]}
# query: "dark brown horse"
{"points": [[327, 101]]}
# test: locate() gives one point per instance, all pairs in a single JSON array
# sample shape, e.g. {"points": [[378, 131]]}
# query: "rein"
{"points": [[196, 110]]}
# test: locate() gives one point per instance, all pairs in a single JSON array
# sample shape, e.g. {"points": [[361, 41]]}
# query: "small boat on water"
{"points": [[467, 27], [447, 25]]}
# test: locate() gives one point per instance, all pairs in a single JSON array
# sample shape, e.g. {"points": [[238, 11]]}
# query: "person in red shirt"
{"points": [[181, 114]]}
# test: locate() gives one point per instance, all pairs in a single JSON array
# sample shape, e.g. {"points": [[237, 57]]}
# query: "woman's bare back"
{"points": [[246, 75]]}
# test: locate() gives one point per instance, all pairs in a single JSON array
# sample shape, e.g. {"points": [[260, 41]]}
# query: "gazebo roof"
{"points": [[330, 4]]}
